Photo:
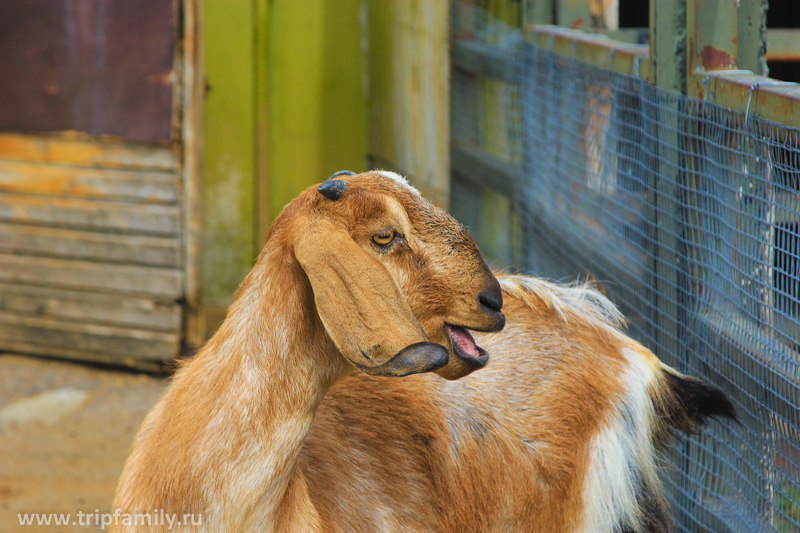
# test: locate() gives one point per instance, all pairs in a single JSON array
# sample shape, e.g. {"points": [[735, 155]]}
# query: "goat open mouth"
{"points": [[464, 346]]}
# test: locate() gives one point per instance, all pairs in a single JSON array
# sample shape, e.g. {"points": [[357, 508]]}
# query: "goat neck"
{"points": [[241, 410]]}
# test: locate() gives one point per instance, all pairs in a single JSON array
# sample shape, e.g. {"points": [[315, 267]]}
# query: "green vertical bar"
{"points": [[752, 42], [497, 211], [668, 42], [228, 152], [318, 108], [285, 108], [264, 214], [671, 42], [712, 39], [533, 12], [576, 14], [537, 12], [381, 76]]}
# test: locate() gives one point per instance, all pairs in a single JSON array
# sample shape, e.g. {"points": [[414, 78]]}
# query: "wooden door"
{"points": [[97, 178]]}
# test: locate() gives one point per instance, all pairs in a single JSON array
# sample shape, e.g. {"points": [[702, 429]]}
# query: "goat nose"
{"points": [[492, 299]]}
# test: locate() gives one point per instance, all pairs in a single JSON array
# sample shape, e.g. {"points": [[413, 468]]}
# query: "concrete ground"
{"points": [[65, 432]]}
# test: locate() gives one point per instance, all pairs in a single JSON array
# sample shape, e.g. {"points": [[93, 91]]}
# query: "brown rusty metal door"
{"points": [[92, 249]]}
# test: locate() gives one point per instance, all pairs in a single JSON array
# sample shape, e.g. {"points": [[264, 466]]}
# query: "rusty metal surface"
{"points": [[596, 49], [575, 14], [716, 59], [758, 95], [588, 15], [778, 102], [783, 45], [97, 66], [711, 36]]}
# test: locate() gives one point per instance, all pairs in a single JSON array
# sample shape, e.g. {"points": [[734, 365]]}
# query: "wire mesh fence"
{"points": [[687, 212]]}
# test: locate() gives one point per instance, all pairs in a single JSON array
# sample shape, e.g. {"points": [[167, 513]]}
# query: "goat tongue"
{"points": [[464, 340]]}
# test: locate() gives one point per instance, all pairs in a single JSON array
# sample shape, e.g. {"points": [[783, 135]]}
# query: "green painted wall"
{"points": [[285, 109], [318, 106], [229, 171]]}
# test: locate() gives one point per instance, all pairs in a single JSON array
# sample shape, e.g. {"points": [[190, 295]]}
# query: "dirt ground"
{"points": [[65, 432]]}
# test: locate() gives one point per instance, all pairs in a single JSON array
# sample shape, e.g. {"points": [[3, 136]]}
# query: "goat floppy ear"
{"points": [[362, 307]]}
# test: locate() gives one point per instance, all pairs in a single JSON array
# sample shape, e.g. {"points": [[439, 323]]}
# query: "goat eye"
{"points": [[384, 239]]}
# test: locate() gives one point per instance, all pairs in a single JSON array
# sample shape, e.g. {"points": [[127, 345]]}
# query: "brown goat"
{"points": [[361, 272], [559, 433]]}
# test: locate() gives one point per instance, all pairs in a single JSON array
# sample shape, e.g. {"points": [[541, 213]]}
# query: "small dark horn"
{"points": [[342, 173], [333, 189]]}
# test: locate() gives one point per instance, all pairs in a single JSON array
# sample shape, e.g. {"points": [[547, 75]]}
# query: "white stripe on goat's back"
{"points": [[622, 459], [566, 300]]}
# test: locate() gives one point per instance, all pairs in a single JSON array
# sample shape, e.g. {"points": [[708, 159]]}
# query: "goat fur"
{"points": [[561, 432], [269, 428]]}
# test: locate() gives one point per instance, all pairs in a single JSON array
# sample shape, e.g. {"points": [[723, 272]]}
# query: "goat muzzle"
{"points": [[490, 301]]}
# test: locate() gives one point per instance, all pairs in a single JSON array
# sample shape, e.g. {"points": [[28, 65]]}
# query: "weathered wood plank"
{"points": [[100, 308], [192, 133], [93, 307], [78, 213], [51, 336], [90, 152], [109, 184], [145, 365], [103, 247], [123, 279]]}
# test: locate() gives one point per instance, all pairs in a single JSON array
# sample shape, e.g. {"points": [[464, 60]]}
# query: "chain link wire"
{"points": [[688, 215]]}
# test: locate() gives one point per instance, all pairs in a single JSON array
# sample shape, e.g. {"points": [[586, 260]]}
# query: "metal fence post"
{"points": [[716, 36], [537, 12], [711, 40], [669, 42], [669, 51], [752, 36]]}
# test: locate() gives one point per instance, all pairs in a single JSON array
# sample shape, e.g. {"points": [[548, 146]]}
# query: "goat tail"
{"points": [[687, 403]]}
